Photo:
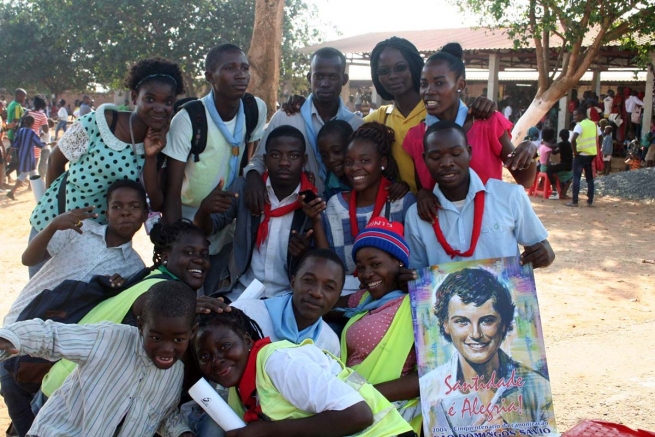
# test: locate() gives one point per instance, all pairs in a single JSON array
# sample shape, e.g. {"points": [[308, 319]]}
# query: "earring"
{"points": [[459, 91], [165, 262], [401, 265], [383, 168]]}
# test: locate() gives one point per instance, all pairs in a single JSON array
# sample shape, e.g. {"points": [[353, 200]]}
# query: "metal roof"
{"points": [[477, 43]]}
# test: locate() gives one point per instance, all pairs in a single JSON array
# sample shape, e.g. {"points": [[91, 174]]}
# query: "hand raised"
{"points": [[218, 201], [73, 219]]}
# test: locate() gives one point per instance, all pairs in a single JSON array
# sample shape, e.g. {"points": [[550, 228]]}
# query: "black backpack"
{"points": [[67, 303], [196, 111]]}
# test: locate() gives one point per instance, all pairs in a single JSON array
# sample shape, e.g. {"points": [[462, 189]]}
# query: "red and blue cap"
{"points": [[386, 236]]}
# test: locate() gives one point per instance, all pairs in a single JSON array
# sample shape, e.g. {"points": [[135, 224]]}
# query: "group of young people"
{"points": [[332, 213]]}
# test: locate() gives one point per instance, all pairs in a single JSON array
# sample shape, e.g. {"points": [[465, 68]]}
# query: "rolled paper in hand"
{"points": [[205, 395]]}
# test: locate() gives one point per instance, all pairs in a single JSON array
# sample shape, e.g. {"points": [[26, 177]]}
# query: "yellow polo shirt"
{"points": [[400, 126]]}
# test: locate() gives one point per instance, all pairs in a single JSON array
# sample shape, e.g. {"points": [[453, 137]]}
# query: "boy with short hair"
{"points": [[80, 249], [24, 143], [128, 380], [261, 243], [475, 221]]}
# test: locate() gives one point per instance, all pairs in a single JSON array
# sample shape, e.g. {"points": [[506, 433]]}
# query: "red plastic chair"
{"points": [[541, 186]]}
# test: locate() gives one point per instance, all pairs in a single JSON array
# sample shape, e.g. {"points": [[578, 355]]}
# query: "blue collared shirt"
{"points": [[508, 221]]}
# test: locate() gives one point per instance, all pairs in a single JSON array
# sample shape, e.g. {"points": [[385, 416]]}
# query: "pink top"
{"points": [[484, 139], [365, 334], [544, 153]]}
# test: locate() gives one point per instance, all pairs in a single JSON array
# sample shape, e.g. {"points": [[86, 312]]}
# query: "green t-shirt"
{"points": [[14, 112]]}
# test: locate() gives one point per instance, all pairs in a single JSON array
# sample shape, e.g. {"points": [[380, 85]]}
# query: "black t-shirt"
{"points": [[566, 154]]}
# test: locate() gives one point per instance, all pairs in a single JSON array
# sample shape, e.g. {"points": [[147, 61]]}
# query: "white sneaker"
{"points": [[554, 196]]}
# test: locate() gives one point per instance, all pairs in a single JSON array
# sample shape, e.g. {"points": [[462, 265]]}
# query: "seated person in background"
{"points": [[607, 149], [261, 243], [475, 221], [564, 170], [546, 147], [81, 248], [283, 389], [632, 162], [24, 143], [128, 381]]}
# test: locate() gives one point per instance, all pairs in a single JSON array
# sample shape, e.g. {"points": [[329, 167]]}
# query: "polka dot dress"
{"points": [[97, 159]]}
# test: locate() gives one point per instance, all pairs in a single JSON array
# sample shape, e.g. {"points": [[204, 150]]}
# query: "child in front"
{"points": [[128, 380], [284, 389]]}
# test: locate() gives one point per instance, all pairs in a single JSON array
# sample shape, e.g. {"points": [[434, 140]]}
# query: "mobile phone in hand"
{"points": [[309, 195]]}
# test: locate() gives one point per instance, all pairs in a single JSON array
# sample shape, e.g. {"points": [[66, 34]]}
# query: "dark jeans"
{"points": [[556, 168], [18, 402], [583, 163]]}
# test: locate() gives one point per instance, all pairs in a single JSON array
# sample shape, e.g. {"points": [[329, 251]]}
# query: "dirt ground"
{"points": [[597, 303]]}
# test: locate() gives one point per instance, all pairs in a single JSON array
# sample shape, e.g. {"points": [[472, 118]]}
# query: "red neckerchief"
{"points": [[477, 226], [262, 232], [247, 387], [380, 200]]}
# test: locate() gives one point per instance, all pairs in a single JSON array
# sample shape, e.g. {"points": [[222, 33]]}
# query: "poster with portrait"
{"points": [[481, 355]]}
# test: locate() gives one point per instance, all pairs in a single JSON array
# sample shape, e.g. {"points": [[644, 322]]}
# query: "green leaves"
{"points": [[61, 44]]}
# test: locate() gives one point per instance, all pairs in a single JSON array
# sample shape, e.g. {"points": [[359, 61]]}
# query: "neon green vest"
{"points": [[387, 360], [387, 421], [111, 310], [586, 141]]}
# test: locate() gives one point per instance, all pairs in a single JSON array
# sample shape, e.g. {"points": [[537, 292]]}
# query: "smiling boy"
{"points": [[128, 380], [475, 221], [261, 244], [80, 248]]}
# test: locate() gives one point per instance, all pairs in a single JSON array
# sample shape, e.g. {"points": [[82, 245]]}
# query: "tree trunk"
{"points": [[266, 51], [189, 86]]}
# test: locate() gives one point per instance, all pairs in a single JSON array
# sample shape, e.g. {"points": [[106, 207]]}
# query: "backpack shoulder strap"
{"points": [[196, 111], [251, 111]]}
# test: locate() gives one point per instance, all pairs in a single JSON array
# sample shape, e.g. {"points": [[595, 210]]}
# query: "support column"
{"points": [[563, 115], [648, 98], [345, 90], [595, 82], [492, 84]]}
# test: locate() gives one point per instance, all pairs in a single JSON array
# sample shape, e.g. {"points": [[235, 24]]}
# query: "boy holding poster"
{"points": [[475, 221]]}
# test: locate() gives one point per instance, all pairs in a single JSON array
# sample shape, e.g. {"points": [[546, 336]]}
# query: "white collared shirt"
{"points": [[508, 221], [114, 381], [269, 261], [78, 257]]}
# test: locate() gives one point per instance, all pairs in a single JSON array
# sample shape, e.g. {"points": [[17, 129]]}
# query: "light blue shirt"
{"points": [[508, 221]]}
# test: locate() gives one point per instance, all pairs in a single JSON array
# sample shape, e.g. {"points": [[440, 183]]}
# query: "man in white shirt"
{"points": [[327, 76], [189, 181], [62, 114], [476, 221], [261, 244]]}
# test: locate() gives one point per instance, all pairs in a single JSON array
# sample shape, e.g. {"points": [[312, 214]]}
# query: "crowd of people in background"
{"points": [[281, 250]]}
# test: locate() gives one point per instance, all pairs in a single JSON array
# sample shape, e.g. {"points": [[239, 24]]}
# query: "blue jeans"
{"points": [[18, 402], [61, 125], [200, 422], [583, 163]]}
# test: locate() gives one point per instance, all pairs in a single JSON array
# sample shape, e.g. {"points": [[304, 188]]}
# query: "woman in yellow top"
{"points": [[396, 68]]}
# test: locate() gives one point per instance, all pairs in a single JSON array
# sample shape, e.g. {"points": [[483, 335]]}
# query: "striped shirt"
{"points": [[40, 119], [114, 382], [26, 141]]}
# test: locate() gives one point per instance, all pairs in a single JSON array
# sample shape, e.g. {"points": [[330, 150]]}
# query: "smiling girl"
{"points": [[107, 145], [378, 340], [286, 389], [370, 168]]}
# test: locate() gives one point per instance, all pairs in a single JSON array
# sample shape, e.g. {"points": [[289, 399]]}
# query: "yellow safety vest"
{"points": [[387, 360], [387, 421], [586, 141]]}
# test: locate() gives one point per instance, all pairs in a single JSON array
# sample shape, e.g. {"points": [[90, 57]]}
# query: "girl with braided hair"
{"points": [[282, 388], [370, 169], [181, 253]]}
